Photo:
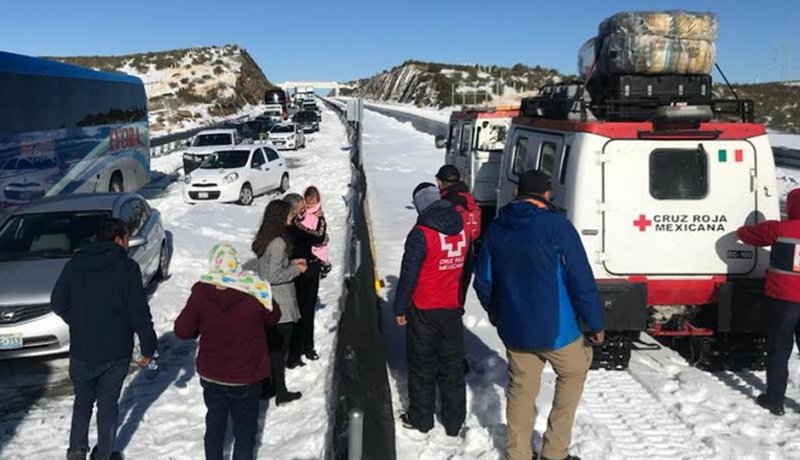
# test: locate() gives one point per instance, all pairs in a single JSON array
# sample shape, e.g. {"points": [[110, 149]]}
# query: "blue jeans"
{"points": [[101, 383], [241, 404]]}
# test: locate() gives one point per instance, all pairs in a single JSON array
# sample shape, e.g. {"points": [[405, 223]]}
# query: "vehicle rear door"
{"points": [[464, 156], [276, 166], [453, 136], [260, 173], [673, 207]]}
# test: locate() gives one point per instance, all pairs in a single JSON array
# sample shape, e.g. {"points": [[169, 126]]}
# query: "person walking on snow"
{"points": [[229, 309], [307, 285], [272, 249], [314, 213], [102, 321], [428, 302], [783, 291], [534, 280]]}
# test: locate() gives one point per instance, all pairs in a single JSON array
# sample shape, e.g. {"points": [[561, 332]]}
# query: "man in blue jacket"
{"points": [[101, 297], [535, 282]]}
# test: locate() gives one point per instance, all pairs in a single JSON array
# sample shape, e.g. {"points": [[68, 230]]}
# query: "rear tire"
{"points": [[284, 187], [116, 184], [246, 195], [163, 263]]}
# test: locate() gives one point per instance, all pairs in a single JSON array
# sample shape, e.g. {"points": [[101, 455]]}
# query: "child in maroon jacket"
{"points": [[229, 310]]}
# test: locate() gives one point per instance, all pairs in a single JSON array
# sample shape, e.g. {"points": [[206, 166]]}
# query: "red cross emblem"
{"points": [[454, 245], [642, 222]]}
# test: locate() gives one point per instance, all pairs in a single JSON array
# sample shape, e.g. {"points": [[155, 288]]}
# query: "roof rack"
{"points": [[572, 102]]}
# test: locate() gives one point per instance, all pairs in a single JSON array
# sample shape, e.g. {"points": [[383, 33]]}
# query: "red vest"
{"points": [[440, 277], [471, 216]]}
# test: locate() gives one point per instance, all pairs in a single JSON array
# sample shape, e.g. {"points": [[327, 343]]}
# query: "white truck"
{"points": [[205, 143]]}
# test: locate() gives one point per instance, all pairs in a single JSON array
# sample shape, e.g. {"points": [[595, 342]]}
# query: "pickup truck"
{"points": [[205, 143]]}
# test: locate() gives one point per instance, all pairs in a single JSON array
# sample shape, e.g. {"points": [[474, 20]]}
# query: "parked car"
{"points": [[260, 128], [275, 112], [287, 136], [310, 105], [38, 240], [237, 175], [308, 120], [207, 142]]}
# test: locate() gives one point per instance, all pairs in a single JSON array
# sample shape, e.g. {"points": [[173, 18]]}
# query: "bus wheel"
{"points": [[116, 185]]}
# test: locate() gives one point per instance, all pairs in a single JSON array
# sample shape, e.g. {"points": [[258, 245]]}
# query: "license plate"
{"points": [[203, 195], [279, 142], [10, 341]]}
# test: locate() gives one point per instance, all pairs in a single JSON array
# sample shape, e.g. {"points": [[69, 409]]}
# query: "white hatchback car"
{"points": [[237, 175], [287, 136]]}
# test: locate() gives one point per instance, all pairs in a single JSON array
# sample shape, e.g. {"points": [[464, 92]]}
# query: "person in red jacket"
{"points": [[783, 290], [229, 310], [428, 300]]}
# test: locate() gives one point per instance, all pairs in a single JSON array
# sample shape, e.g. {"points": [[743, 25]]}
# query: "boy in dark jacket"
{"points": [[428, 300], [534, 280], [101, 297], [229, 310], [783, 290]]}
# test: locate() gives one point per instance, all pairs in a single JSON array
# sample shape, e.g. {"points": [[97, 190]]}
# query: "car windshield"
{"points": [[48, 235], [306, 116], [205, 140], [228, 159], [282, 129]]}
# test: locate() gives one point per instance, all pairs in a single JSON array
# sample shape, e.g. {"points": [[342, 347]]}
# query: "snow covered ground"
{"points": [[164, 418], [661, 408]]}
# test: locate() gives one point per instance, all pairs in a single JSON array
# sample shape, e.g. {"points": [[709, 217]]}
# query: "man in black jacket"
{"points": [[101, 297]]}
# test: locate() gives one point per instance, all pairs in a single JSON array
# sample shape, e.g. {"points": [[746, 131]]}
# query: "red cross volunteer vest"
{"points": [[440, 277]]}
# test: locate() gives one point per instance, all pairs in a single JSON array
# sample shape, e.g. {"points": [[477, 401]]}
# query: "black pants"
{"points": [[99, 383], [278, 339], [307, 288], [241, 404], [435, 349], [782, 327]]}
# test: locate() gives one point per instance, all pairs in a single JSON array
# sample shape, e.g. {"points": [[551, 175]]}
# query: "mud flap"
{"points": [[741, 307]]}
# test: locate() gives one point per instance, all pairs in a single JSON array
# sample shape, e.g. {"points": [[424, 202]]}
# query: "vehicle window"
{"points": [[679, 174], [205, 140], [452, 139], [282, 129], [136, 213], [466, 139], [226, 159], [562, 175], [272, 155], [547, 157], [48, 235], [520, 155], [258, 159]]}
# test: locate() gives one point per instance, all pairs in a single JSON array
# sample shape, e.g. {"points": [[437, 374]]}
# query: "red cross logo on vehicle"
{"points": [[642, 222]]}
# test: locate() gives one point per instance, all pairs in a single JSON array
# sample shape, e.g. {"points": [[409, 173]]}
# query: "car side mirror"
{"points": [[188, 143], [137, 241], [440, 142]]}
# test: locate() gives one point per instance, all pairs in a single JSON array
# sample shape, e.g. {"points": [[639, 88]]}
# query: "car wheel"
{"points": [[284, 187], [116, 185], [246, 195], [163, 263]]}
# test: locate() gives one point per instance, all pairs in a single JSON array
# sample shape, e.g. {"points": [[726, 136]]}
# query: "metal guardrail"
{"points": [[786, 157], [162, 145]]}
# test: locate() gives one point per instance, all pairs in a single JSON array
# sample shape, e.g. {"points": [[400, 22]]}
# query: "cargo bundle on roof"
{"points": [[652, 43]]}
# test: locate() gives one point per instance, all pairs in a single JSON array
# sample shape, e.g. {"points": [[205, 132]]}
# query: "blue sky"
{"points": [[347, 39]]}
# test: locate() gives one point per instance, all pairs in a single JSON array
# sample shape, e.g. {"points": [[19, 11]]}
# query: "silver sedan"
{"points": [[37, 241]]}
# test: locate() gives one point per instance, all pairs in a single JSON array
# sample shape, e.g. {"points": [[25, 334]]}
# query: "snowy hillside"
{"points": [[189, 87], [777, 104], [436, 85]]}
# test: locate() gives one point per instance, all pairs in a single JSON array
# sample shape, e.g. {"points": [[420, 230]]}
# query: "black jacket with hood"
{"points": [[442, 217], [101, 297]]}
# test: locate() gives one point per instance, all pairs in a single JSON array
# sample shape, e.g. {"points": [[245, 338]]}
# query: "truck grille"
{"points": [[17, 313]]}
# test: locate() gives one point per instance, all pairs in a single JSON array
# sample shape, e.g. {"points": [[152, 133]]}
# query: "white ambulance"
{"points": [[657, 204], [474, 144]]}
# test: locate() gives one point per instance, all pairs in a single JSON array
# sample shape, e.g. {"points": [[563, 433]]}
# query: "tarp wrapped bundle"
{"points": [[652, 43]]}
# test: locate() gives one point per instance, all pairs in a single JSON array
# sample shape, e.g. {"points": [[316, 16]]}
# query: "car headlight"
{"points": [[187, 179], [231, 178]]}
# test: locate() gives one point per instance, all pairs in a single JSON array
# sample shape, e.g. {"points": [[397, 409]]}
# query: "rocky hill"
{"points": [[427, 84], [777, 104], [189, 87]]}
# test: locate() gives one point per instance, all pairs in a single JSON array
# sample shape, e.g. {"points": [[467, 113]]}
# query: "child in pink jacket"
{"points": [[313, 214]]}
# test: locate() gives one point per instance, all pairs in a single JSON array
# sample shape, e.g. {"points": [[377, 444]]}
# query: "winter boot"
{"points": [[773, 407], [405, 419], [114, 455], [287, 397], [311, 355], [326, 268], [295, 363], [77, 454]]}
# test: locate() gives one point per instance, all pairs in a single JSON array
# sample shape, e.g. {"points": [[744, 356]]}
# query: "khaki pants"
{"points": [[571, 364]]}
